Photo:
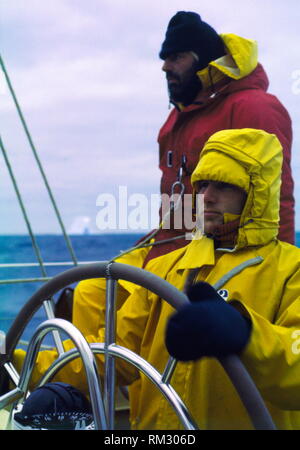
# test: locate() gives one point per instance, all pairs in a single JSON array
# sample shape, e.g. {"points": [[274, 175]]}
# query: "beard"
{"points": [[183, 89]]}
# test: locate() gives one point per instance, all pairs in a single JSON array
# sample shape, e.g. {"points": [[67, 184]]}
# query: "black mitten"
{"points": [[208, 326]]}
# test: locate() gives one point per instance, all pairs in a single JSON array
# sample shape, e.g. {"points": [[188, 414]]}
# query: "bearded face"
{"points": [[183, 83]]}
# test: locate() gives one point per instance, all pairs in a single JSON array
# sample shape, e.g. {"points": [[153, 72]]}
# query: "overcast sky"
{"points": [[89, 82]]}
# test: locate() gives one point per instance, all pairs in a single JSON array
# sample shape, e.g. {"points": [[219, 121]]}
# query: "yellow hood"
{"points": [[259, 156], [240, 61]]}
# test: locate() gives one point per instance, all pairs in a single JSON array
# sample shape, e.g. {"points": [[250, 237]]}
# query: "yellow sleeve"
{"points": [[131, 322], [272, 355]]}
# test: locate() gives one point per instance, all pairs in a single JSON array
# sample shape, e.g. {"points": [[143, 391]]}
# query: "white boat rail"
{"points": [[89, 363]]}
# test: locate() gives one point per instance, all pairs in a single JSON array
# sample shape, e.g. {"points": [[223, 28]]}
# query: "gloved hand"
{"points": [[208, 326]]}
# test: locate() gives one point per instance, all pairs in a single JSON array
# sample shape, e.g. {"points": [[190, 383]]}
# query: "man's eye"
{"points": [[202, 185], [221, 186], [176, 56]]}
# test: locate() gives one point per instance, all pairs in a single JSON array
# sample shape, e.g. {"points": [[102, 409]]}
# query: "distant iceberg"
{"points": [[80, 225]]}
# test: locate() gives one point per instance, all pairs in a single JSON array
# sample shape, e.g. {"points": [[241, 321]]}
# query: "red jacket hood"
{"points": [[257, 79]]}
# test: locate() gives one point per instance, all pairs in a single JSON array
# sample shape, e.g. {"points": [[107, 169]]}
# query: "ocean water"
{"points": [[18, 249]]}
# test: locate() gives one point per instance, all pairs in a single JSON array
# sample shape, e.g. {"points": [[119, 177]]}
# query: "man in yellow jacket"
{"points": [[259, 278]]}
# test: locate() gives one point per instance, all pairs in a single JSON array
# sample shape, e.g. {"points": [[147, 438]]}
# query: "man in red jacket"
{"points": [[215, 82]]}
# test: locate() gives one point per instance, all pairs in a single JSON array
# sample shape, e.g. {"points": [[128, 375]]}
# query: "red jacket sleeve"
{"points": [[257, 109]]}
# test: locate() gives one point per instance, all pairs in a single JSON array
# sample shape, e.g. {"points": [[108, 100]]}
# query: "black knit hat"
{"points": [[187, 32]]}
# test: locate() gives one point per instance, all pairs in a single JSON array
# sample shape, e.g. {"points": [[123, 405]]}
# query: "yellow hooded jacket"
{"points": [[260, 276]]}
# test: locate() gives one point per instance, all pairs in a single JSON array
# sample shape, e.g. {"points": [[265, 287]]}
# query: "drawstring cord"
{"points": [[173, 207]]}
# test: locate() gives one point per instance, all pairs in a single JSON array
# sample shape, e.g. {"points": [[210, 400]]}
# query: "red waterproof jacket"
{"points": [[234, 103]]}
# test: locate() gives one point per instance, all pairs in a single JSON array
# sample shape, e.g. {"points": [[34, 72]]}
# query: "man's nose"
{"points": [[166, 65]]}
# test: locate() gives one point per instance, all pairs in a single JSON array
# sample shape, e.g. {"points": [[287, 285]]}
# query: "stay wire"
{"points": [[146, 242], [23, 209], [39, 164]]}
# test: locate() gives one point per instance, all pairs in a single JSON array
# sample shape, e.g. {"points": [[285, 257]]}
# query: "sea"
{"points": [[53, 248], [19, 249]]}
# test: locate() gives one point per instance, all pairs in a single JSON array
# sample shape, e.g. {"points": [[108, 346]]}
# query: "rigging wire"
{"points": [[48, 304], [37, 159], [144, 243], [148, 240], [23, 209]]}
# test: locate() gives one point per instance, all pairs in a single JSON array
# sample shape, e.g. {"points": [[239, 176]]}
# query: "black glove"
{"points": [[208, 326]]}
